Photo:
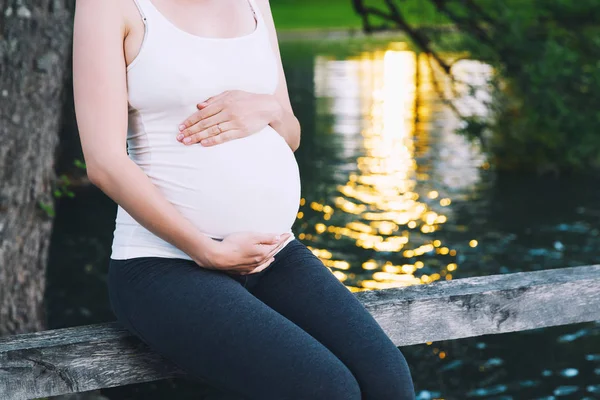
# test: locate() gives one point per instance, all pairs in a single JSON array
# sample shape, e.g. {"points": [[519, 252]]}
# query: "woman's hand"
{"points": [[244, 252], [230, 115]]}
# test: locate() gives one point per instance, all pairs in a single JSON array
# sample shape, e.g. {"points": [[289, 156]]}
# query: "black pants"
{"points": [[292, 331]]}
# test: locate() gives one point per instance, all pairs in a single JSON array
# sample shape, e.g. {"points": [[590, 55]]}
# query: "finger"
{"points": [[206, 133], [268, 250], [245, 268], [198, 116], [259, 268], [266, 238], [269, 238], [226, 136], [202, 124], [262, 252], [275, 250], [212, 99], [258, 260], [259, 253], [209, 111]]}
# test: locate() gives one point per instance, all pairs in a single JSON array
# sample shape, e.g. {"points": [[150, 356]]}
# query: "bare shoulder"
{"points": [[94, 13], [103, 9]]}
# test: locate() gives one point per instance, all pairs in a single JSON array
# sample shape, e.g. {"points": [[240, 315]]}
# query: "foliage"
{"points": [[547, 96], [319, 14], [547, 83], [62, 187]]}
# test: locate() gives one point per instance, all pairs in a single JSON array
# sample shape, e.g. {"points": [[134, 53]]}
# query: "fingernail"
{"points": [[179, 137], [277, 237], [187, 140], [181, 127]]}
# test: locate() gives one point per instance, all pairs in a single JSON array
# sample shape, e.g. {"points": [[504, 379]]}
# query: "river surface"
{"points": [[392, 196]]}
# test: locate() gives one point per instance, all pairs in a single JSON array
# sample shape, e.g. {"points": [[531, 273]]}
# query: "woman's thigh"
{"points": [[299, 286], [210, 326]]}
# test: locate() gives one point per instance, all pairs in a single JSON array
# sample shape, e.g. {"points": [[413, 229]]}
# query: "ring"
{"points": [[219, 128]]}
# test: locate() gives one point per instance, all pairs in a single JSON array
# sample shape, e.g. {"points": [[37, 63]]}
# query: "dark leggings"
{"points": [[292, 331]]}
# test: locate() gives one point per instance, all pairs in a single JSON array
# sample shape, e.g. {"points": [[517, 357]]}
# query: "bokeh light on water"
{"points": [[397, 194]]}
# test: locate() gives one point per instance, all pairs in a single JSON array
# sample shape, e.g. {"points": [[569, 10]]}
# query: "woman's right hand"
{"points": [[244, 252]]}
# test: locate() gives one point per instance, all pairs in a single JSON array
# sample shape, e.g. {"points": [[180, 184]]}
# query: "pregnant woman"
{"points": [[186, 123]]}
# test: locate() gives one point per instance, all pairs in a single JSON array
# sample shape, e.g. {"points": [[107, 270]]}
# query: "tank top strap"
{"points": [[256, 12], [252, 5], [147, 10], [143, 7]]}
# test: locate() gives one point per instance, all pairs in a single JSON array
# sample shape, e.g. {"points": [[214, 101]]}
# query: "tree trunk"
{"points": [[35, 49]]}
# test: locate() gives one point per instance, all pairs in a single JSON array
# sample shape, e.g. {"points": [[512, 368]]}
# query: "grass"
{"points": [[339, 14], [313, 14]]}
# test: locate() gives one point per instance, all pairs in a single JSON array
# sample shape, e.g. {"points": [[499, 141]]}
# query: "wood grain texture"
{"points": [[487, 305], [105, 355], [76, 359]]}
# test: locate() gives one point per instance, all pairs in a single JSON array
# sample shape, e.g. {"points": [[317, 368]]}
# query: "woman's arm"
{"points": [[283, 121], [100, 90]]}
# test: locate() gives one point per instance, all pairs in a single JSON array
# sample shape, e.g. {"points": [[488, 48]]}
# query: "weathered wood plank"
{"points": [[105, 355], [72, 360], [487, 305]]}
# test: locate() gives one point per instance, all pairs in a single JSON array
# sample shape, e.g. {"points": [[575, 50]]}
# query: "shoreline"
{"points": [[309, 34]]}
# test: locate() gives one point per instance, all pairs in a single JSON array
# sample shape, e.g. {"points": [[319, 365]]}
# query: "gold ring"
{"points": [[219, 127]]}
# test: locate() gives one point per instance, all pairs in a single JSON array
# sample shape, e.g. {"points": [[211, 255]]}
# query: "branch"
{"points": [[466, 24], [396, 17]]}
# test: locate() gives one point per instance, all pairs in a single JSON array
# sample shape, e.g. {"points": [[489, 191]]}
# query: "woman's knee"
{"points": [[331, 381], [392, 381]]}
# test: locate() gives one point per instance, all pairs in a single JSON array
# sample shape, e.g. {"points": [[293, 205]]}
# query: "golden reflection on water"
{"points": [[389, 212]]}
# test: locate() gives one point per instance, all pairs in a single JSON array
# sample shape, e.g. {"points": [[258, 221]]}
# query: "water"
{"points": [[393, 197]]}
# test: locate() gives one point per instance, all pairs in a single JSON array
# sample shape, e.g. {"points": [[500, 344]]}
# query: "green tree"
{"points": [[547, 82]]}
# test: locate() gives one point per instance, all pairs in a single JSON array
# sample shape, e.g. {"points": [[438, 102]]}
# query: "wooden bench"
{"points": [[104, 355]]}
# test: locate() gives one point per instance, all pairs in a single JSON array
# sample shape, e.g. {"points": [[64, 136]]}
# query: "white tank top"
{"points": [[247, 184]]}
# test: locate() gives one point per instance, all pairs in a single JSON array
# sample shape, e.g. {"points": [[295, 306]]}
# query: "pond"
{"points": [[392, 196]]}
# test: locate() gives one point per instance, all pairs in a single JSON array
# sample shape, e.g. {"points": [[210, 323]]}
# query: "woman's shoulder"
{"points": [[121, 13]]}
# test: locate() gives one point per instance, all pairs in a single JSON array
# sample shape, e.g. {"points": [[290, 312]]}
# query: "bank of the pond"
{"points": [[333, 35], [299, 15]]}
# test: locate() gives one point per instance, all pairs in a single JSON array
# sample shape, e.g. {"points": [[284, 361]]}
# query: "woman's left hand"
{"points": [[230, 115]]}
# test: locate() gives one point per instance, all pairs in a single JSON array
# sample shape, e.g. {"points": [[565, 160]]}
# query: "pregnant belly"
{"points": [[247, 184]]}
